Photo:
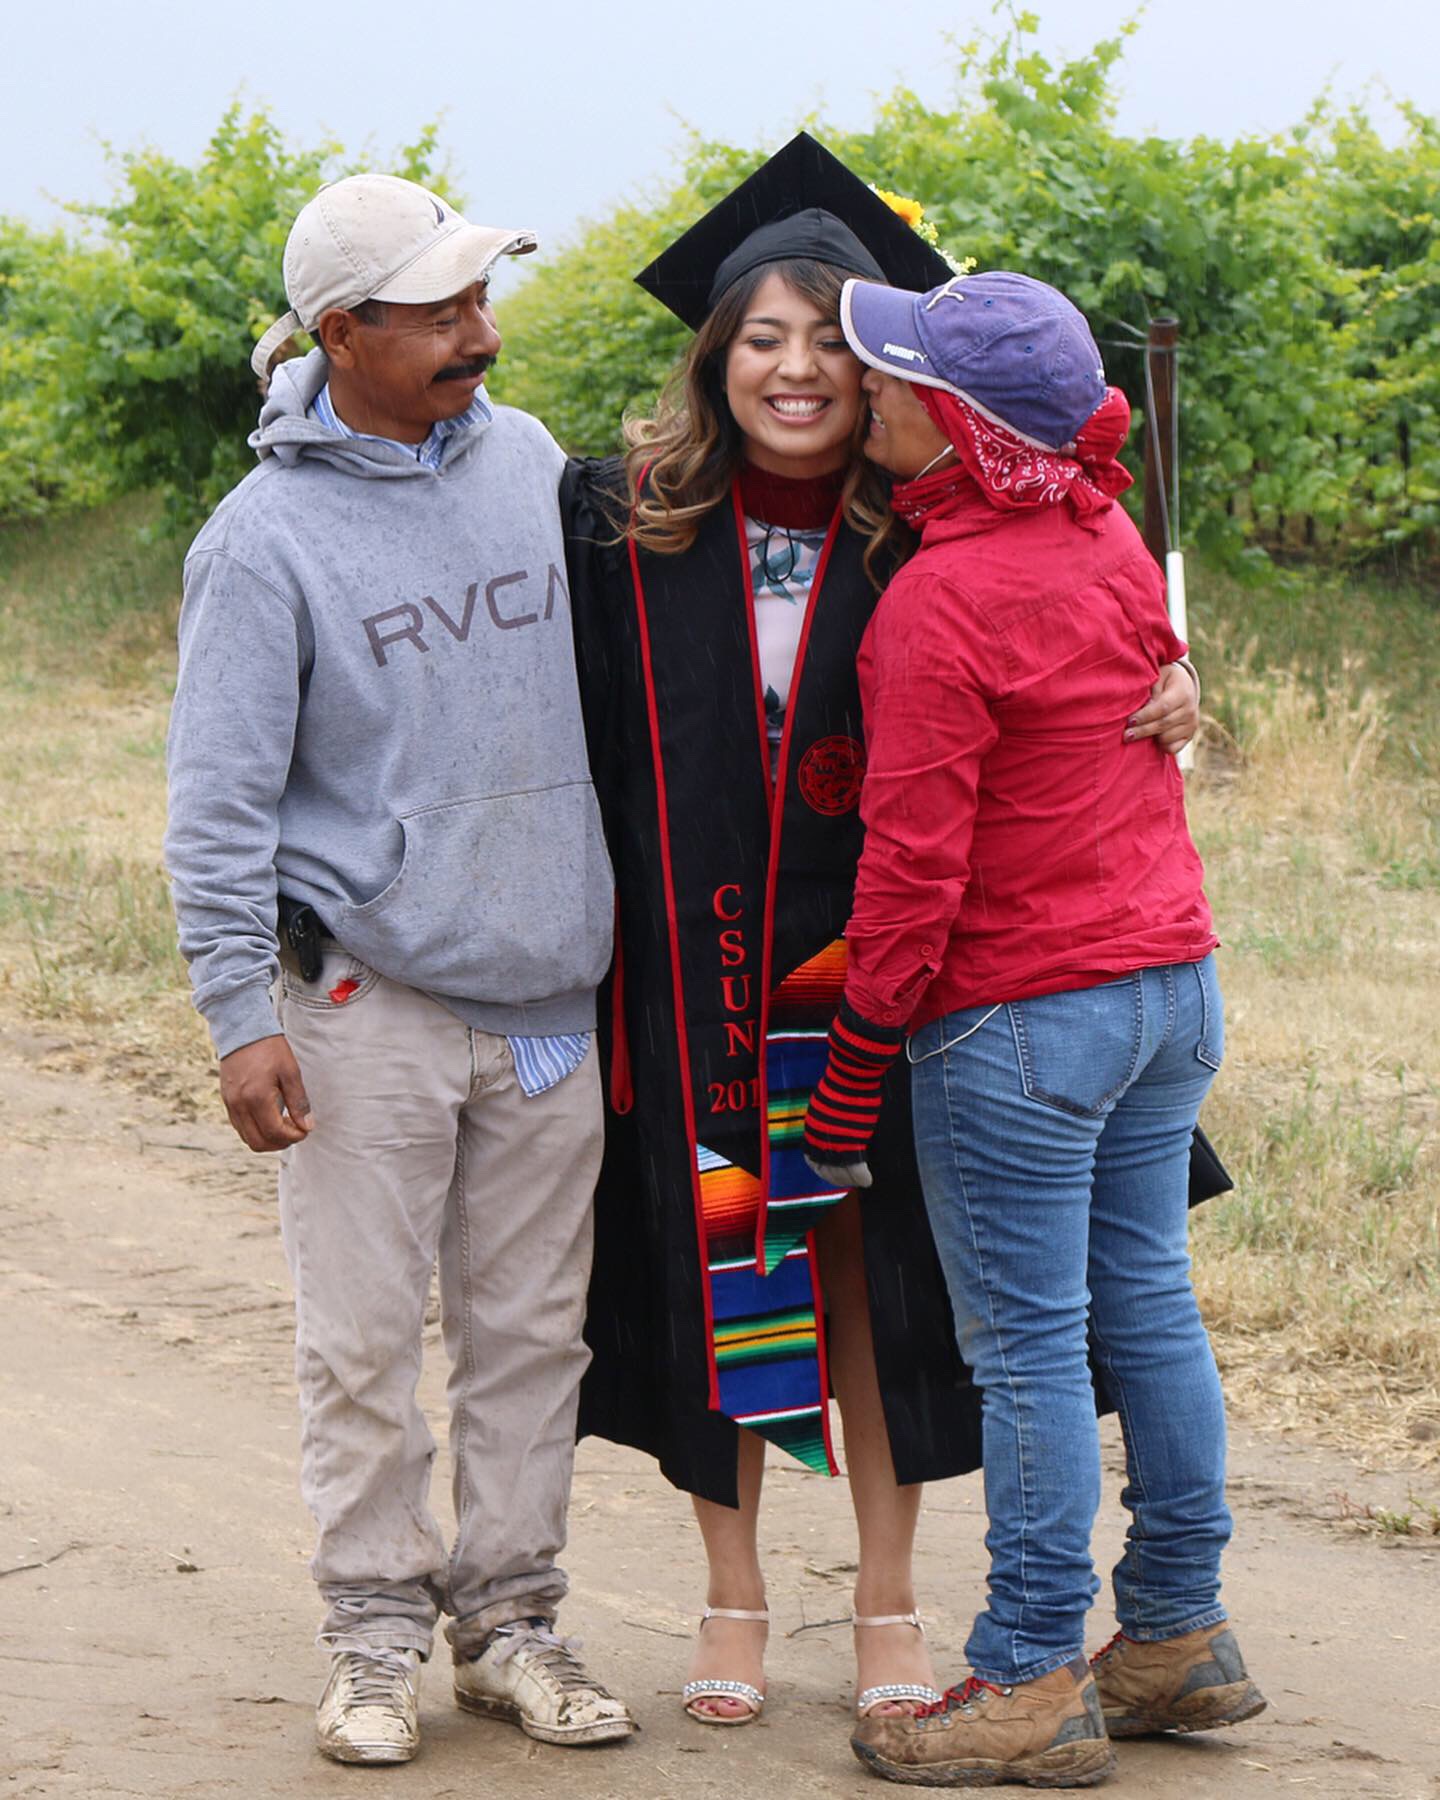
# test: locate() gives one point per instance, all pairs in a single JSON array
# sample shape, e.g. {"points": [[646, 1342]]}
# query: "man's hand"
{"points": [[264, 1095], [1172, 712]]}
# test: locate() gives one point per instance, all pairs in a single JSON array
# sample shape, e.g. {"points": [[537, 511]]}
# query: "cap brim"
{"points": [[879, 326], [274, 339], [457, 262]]}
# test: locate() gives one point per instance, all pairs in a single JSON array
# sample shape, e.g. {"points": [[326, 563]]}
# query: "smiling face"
{"points": [[902, 437], [396, 370], [792, 385]]}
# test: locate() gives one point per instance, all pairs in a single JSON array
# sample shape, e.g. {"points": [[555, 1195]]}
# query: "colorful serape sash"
{"points": [[764, 1311], [764, 1331], [758, 885]]}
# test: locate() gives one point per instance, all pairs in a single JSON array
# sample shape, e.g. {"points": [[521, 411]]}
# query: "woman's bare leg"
{"points": [[885, 1513], [733, 1649]]}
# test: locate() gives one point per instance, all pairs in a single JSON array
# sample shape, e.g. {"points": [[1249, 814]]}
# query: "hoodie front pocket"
{"points": [[505, 899]]}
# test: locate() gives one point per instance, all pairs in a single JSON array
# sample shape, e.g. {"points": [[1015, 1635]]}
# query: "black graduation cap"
{"points": [[803, 202]]}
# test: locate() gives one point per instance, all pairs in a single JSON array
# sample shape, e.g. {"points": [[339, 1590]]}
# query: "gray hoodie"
{"points": [[377, 705]]}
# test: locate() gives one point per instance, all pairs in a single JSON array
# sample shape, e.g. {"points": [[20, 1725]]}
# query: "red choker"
{"points": [[795, 503]]}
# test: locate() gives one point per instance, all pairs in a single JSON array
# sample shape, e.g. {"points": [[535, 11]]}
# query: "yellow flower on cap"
{"points": [[911, 211]]}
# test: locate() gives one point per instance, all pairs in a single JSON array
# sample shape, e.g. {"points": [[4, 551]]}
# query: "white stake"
{"points": [[1175, 600]]}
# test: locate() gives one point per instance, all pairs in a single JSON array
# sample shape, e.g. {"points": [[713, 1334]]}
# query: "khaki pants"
{"points": [[425, 1146]]}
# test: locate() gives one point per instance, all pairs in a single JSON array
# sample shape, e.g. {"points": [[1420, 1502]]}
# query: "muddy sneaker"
{"points": [[1193, 1682], [535, 1680], [369, 1712], [1045, 1733]]}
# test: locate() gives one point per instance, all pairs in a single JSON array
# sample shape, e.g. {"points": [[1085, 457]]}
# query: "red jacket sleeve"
{"points": [[929, 677]]}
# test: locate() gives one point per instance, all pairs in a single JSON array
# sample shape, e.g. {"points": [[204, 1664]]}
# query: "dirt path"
{"points": [[148, 1445]]}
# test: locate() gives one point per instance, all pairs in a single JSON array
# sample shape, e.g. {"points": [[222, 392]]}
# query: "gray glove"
{"points": [[841, 1175]]}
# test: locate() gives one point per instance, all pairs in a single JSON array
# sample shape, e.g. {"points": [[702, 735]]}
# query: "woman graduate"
{"points": [[720, 591]]}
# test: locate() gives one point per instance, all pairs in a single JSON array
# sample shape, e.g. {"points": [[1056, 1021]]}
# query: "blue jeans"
{"points": [[1054, 1140]]}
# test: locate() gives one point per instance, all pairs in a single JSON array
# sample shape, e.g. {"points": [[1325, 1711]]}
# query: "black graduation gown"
{"points": [[715, 904]]}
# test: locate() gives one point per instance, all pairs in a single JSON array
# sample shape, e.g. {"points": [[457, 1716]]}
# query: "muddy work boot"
{"points": [[534, 1679], [1193, 1682], [369, 1712], [1046, 1734]]}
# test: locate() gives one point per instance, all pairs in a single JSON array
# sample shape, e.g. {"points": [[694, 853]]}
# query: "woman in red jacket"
{"points": [[1029, 911]]}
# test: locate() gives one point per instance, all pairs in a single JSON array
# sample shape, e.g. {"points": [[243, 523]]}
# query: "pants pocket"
{"points": [[1210, 1048], [343, 980], [1080, 1050]]}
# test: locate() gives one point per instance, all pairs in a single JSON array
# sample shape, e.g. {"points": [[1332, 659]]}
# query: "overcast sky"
{"points": [[553, 112]]}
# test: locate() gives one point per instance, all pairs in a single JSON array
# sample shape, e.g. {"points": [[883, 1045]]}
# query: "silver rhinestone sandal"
{"points": [[866, 1702], [720, 1689]]}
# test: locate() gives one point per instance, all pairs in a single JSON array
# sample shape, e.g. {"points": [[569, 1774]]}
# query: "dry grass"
{"points": [[1321, 1275], [1315, 804], [87, 942]]}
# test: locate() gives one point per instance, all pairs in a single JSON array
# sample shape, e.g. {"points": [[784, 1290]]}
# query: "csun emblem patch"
{"points": [[831, 772]]}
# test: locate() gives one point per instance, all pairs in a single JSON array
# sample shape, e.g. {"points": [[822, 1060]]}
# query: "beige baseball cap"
{"points": [[378, 237]]}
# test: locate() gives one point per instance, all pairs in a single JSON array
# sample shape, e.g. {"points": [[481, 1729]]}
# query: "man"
{"points": [[378, 783]]}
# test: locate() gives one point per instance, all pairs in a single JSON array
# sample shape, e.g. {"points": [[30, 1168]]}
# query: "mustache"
{"points": [[479, 365]]}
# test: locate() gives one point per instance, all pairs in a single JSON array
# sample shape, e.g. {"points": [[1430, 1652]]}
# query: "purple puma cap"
{"points": [[1016, 349]]}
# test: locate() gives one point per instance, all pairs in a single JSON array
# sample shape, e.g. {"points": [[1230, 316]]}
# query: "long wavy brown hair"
{"points": [[681, 460]]}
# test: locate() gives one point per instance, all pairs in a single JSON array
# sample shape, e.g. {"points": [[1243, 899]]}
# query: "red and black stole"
{"points": [[758, 879]]}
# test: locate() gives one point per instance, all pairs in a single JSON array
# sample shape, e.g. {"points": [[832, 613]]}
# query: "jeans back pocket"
{"points": [[1080, 1050], [1210, 1046]]}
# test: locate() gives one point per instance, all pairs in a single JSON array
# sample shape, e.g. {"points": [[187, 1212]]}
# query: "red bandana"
{"points": [[1015, 475], [916, 500]]}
